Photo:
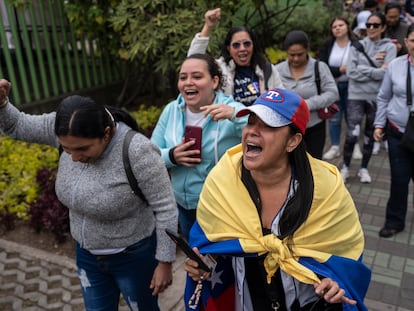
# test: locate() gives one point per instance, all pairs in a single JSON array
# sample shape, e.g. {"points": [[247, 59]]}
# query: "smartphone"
{"points": [[183, 245], [193, 133]]}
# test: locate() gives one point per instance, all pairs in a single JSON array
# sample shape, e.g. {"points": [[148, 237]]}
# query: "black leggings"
{"points": [[356, 110]]}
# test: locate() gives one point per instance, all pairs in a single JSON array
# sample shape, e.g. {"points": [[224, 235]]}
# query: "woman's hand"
{"points": [[5, 87], [162, 278], [211, 19], [185, 157], [331, 292], [218, 111], [193, 270], [378, 134]]}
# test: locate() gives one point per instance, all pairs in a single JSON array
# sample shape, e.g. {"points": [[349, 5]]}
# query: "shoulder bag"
{"points": [[407, 140], [327, 112]]}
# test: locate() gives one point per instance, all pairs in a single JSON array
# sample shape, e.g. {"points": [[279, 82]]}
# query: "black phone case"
{"points": [[183, 245]]}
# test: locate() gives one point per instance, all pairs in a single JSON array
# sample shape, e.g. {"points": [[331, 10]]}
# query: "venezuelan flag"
{"points": [[330, 242]]}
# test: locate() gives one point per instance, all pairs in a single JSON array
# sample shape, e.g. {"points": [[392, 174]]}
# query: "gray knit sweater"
{"points": [[104, 211]]}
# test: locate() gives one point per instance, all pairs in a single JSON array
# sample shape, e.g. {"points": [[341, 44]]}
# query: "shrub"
{"points": [[47, 213], [19, 163], [147, 118]]}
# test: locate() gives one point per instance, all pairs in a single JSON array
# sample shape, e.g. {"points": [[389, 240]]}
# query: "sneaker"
{"points": [[376, 148], [364, 176], [345, 172], [332, 153], [357, 154]]}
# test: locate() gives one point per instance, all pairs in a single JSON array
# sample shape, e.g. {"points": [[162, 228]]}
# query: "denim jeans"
{"points": [[402, 170], [103, 278], [335, 122], [186, 219]]}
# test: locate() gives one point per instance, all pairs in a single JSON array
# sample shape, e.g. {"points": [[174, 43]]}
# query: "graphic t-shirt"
{"points": [[246, 86]]}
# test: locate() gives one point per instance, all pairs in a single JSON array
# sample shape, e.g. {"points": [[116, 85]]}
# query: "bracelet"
{"points": [[171, 156], [4, 103]]}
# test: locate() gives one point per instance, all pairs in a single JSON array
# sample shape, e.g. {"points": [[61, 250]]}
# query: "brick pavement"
{"points": [[34, 280]]}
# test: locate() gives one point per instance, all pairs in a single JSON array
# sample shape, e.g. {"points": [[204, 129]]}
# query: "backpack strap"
{"points": [[267, 72], [127, 165], [317, 77], [360, 48]]}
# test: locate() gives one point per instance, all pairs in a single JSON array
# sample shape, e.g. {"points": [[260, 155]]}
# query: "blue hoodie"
{"points": [[218, 136]]}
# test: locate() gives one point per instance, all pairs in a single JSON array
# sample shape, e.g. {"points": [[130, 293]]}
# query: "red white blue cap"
{"points": [[280, 107]]}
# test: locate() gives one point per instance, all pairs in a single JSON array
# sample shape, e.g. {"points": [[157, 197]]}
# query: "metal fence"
{"points": [[43, 58]]}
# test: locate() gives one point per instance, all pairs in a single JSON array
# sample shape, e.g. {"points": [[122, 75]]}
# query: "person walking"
{"points": [[298, 74], [334, 52], [121, 246], [285, 219], [390, 120], [245, 68], [200, 103], [365, 69]]}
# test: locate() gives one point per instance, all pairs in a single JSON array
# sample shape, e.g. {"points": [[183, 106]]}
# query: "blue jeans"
{"points": [[186, 219], [335, 122], [103, 278], [402, 170]]}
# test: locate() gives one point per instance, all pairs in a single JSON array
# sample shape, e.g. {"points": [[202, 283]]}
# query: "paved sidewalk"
{"points": [[34, 280]]}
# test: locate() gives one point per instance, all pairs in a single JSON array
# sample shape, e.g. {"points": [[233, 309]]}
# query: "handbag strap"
{"points": [[408, 87], [317, 77], [360, 48]]}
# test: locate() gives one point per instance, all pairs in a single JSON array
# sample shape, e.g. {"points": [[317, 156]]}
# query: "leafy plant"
{"points": [[47, 213], [19, 163], [147, 117]]}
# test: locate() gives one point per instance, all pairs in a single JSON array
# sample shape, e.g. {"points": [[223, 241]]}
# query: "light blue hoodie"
{"points": [[217, 137]]}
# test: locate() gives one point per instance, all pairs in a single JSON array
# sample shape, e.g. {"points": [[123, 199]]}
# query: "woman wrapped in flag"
{"points": [[281, 224]]}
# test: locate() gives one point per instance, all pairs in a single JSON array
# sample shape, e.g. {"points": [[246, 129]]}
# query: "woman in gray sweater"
{"points": [[365, 73], [121, 245]]}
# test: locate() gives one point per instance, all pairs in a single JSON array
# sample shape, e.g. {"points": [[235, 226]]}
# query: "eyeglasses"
{"points": [[375, 25], [246, 44]]}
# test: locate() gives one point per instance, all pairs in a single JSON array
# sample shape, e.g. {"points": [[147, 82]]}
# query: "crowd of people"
{"points": [[257, 195]]}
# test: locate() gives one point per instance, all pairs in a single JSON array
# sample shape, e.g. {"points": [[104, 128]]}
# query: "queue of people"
{"points": [[254, 189]]}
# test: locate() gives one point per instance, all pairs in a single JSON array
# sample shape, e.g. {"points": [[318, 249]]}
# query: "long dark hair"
{"points": [[82, 117], [298, 207], [258, 57], [382, 18], [350, 33]]}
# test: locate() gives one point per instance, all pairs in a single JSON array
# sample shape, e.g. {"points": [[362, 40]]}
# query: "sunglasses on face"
{"points": [[375, 25], [246, 44]]}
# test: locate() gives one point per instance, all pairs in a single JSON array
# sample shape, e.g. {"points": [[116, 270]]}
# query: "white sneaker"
{"points": [[376, 148], [332, 153], [357, 154], [344, 172], [364, 176]]}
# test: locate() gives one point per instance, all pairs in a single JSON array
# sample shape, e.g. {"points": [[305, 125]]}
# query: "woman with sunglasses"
{"points": [[245, 68], [365, 70]]}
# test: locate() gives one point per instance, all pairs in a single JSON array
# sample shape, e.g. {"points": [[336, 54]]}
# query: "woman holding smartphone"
{"points": [[202, 104]]}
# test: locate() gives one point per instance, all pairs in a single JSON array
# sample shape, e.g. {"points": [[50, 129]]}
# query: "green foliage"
{"points": [[304, 18], [147, 117], [19, 163]]}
